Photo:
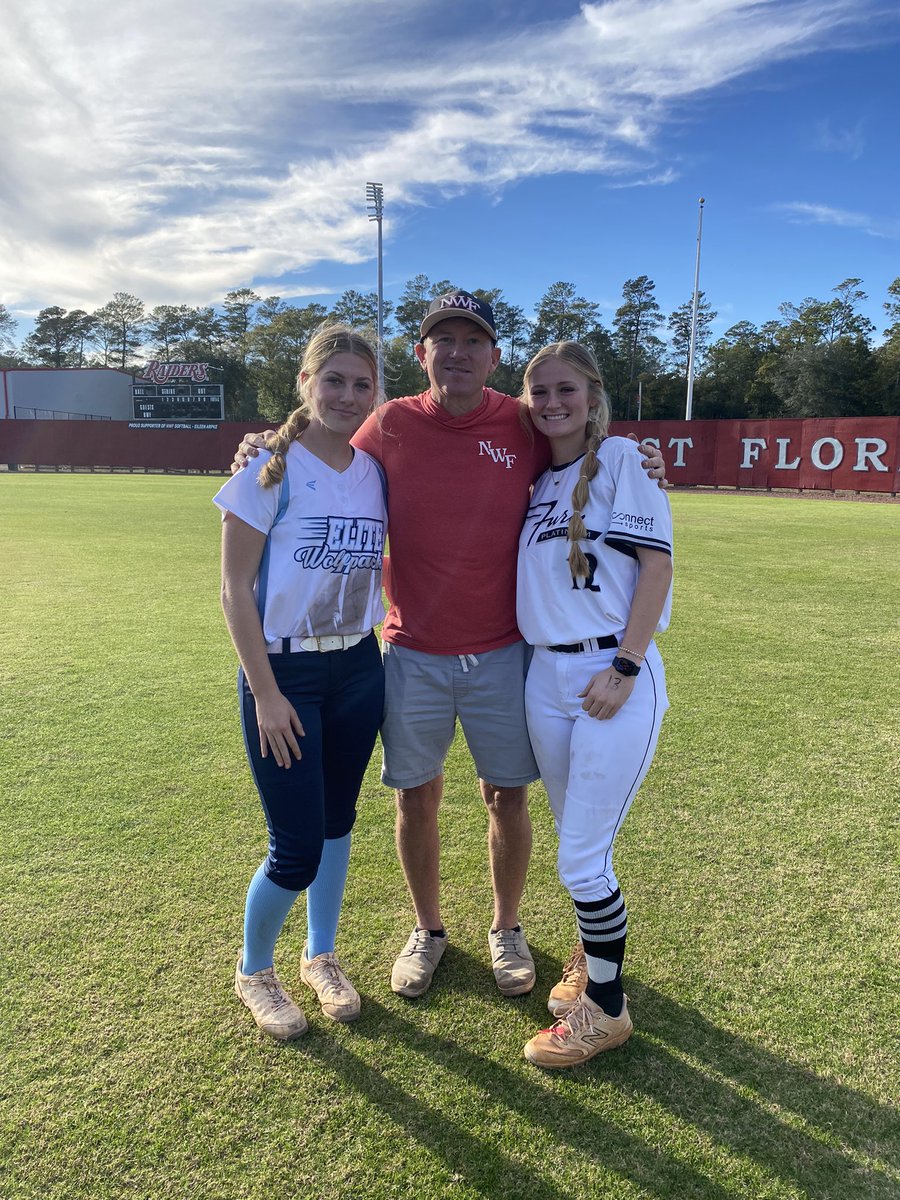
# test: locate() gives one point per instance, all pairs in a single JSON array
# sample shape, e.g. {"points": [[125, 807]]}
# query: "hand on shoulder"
{"points": [[250, 448], [654, 463]]}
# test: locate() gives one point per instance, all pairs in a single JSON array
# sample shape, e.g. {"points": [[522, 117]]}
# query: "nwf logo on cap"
{"points": [[468, 306], [460, 300]]}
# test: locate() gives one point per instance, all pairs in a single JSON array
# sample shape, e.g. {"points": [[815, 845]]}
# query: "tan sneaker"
{"points": [[272, 1008], [574, 980], [337, 995], [586, 1031], [512, 961], [416, 963]]}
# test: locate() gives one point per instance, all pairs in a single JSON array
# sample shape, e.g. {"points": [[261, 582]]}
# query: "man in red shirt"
{"points": [[459, 464]]}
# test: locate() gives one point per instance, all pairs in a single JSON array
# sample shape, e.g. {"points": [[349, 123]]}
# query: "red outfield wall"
{"points": [[179, 447], [859, 454], [854, 454]]}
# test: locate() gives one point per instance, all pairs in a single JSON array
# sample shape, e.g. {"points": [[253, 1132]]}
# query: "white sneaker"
{"points": [[337, 995], [272, 1008]]}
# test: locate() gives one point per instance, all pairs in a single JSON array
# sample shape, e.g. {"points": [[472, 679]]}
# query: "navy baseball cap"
{"points": [[459, 304]]}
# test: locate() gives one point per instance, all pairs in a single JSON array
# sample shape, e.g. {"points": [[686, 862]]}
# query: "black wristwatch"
{"points": [[625, 666]]}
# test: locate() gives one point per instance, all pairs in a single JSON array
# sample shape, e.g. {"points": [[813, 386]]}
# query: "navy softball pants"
{"points": [[339, 698]]}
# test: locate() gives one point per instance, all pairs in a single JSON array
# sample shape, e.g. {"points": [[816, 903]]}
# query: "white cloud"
{"points": [[803, 213], [848, 140], [177, 150]]}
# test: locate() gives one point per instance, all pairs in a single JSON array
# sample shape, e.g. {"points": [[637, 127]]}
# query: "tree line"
{"points": [[816, 359]]}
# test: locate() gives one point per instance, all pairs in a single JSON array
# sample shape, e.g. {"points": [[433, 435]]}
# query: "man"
{"points": [[459, 464]]}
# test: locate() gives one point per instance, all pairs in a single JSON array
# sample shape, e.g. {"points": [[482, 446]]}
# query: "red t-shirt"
{"points": [[458, 491]]}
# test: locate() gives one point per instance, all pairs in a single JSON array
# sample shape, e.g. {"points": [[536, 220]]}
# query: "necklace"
{"points": [[558, 472]]}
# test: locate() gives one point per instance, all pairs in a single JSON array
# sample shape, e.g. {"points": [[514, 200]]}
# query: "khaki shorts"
{"points": [[424, 695]]}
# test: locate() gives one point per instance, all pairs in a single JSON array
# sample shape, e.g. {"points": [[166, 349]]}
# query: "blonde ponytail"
{"points": [[590, 465], [273, 472]]}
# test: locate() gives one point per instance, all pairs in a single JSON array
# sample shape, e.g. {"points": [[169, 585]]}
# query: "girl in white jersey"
{"points": [[302, 539], [594, 585]]}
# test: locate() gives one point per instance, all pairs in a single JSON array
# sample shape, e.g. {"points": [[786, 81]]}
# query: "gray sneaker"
{"points": [[272, 1008], [512, 961], [416, 963], [337, 995]]}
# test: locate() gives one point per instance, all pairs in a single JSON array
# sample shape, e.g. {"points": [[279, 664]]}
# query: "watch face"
{"points": [[625, 666]]}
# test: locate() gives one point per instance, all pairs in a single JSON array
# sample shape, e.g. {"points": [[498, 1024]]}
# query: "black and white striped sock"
{"points": [[603, 925]]}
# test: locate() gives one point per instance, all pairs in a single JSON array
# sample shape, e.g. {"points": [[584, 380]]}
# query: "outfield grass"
{"points": [[759, 863]]}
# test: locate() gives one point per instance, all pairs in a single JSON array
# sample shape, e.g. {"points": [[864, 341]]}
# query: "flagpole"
{"points": [[690, 378], [375, 204]]}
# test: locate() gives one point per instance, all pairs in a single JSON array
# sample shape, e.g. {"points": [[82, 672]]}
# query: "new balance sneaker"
{"points": [[416, 963], [586, 1030], [337, 995], [512, 961], [272, 1008], [574, 980]]}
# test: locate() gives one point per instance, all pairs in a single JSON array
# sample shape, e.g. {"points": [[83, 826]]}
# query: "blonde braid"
{"points": [[590, 465], [581, 360], [273, 472]]}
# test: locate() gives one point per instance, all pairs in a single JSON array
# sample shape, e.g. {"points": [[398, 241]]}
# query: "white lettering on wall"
{"points": [[679, 453], [783, 464], [837, 451], [864, 455], [752, 447]]}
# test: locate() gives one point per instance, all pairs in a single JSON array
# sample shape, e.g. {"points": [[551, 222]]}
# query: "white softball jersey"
{"points": [[625, 510], [321, 570]]}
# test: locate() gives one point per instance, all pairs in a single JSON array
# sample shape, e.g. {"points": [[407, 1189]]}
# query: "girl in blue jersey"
{"points": [[302, 540]]}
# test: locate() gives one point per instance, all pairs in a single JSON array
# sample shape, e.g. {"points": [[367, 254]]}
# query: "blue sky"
{"points": [[179, 151]]}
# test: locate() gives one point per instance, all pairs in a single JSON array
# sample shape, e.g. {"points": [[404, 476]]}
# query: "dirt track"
{"points": [[795, 494]]}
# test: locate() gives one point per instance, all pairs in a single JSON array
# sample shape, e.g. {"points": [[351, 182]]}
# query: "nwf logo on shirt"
{"points": [[341, 544], [487, 449]]}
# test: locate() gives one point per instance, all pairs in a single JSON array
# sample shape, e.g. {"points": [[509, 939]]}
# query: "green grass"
{"points": [[759, 863]]}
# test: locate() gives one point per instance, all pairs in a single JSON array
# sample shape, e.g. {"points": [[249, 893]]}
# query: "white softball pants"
{"points": [[591, 769]]}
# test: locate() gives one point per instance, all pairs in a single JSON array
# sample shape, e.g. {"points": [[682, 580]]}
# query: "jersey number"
{"points": [[588, 584]]}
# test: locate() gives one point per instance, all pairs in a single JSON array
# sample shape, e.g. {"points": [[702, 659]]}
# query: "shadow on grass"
{"points": [[481, 1161], [846, 1126], [847, 1149]]}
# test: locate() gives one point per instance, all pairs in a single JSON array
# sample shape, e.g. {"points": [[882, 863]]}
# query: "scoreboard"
{"points": [[178, 401]]}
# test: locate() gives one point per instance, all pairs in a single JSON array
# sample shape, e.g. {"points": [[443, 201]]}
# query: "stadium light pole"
{"points": [[690, 379], [375, 209]]}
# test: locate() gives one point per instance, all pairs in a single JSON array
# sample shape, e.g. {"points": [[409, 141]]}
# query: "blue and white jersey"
{"points": [[625, 510], [321, 569]]}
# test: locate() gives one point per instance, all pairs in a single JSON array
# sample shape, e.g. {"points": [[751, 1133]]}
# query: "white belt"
{"points": [[332, 641]]}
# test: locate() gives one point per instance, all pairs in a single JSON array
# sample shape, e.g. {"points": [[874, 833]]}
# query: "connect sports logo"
{"points": [[632, 521]]}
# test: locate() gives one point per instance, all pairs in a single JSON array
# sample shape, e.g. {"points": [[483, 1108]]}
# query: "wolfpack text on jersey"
{"points": [[322, 570]]}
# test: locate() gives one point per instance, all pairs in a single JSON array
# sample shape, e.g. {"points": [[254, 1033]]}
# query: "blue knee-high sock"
{"points": [[325, 895], [265, 912]]}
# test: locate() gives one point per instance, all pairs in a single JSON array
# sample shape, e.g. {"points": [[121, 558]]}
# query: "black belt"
{"points": [[604, 643]]}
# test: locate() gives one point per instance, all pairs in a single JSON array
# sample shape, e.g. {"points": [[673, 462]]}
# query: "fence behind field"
{"points": [[853, 454]]}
